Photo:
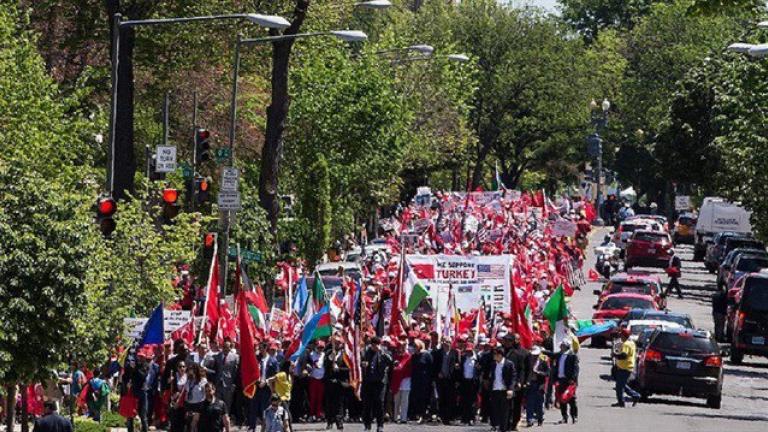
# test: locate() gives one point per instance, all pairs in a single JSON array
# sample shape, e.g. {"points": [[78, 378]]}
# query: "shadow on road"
{"points": [[747, 373], [687, 403], [721, 416]]}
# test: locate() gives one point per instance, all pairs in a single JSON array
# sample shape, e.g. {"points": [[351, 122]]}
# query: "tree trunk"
{"points": [[125, 159], [24, 412], [477, 171], [11, 407], [277, 112]]}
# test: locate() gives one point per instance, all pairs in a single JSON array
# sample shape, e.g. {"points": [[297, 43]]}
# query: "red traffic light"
{"points": [[106, 207], [203, 134], [170, 196], [210, 239], [203, 185]]}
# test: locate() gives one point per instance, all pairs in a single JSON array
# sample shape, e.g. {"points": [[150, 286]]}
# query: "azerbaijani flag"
{"points": [[318, 326], [318, 292], [556, 311]]}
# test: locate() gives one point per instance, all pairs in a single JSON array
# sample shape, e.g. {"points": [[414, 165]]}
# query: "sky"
{"points": [[546, 4]]}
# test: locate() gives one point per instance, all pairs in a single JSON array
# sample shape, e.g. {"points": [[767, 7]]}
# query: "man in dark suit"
{"points": [[421, 381], [565, 370], [375, 366], [446, 363], [502, 381], [336, 379], [52, 421], [520, 357]]}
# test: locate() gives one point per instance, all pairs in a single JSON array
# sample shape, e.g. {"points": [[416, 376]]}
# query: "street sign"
{"points": [[165, 159], [229, 179], [223, 154], [186, 170], [229, 200], [246, 255], [682, 202]]}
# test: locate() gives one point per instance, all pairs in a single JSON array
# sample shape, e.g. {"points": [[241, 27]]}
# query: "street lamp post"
{"points": [[225, 221], [268, 21], [599, 117]]}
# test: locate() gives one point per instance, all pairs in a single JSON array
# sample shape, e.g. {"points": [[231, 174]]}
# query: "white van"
{"points": [[718, 215]]}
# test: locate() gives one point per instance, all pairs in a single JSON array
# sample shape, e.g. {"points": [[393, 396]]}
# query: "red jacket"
{"points": [[401, 371]]}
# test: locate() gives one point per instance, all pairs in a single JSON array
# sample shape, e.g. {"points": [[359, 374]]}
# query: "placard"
{"points": [[563, 228], [682, 202], [172, 320]]}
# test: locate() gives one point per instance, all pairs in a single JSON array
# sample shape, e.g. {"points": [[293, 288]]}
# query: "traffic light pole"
{"points": [[193, 197]]}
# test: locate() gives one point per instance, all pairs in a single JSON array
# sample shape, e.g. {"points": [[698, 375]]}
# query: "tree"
{"points": [[316, 207], [590, 17], [523, 112]]}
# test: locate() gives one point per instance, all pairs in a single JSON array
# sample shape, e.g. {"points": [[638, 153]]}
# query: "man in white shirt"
{"points": [[316, 386], [469, 382], [503, 378]]}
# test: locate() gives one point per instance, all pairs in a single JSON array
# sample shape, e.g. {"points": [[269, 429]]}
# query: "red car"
{"points": [[648, 249], [634, 283], [616, 306]]}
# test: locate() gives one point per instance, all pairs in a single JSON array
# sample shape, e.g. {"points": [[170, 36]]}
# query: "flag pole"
{"points": [[207, 289]]}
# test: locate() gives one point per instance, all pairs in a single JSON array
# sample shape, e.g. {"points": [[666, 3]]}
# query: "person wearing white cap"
{"points": [[537, 382]]}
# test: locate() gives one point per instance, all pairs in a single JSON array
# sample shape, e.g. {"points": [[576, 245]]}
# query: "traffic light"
{"points": [[209, 244], [170, 204], [202, 189], [202, 144], [106, 207]]}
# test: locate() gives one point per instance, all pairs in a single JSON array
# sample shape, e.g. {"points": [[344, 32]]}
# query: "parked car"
{"points": [[685, 229], [714, 255], [648, 249], [332, 269], [681, 362], [744, 264], [661, 220], [641, 283], [747, 320], [723, 272], [616, 306], [658, 315], [715, 216]]}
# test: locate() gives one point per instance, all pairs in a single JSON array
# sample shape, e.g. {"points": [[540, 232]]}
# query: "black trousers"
{"points": [[467, 399], [500, 410], [334, 404], [674, 285], [419, 398], [299, 406], [571, 403], [485, 403], [372, 394], [517, 407], [446, 394]]}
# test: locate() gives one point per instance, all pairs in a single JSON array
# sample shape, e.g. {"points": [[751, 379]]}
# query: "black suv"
{"points": [[681, 362], [747, 322]]}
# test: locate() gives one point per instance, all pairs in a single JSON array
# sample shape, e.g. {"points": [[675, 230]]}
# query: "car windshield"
{"points": [[684, 342], [752, 244], [650, 237], [751, 265], [629, 228], [634, 287], [626, 303], [755, 296], [639, 328], [686, 221], [677, 319]]}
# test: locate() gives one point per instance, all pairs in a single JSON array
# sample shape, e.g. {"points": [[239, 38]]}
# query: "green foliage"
{"points": [[252, 231], [316, 209], [591, 17], [84, 424], [43, 262]]}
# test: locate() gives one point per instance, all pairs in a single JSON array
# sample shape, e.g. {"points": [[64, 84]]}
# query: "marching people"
{"points": [[213, 412], [674, 271], [446, 363], [336, 379], [268, 367], [421, 381], [400, 383], [565, 369], [316, 371], [375, 365], [469, 383], [534, 393], [503, 381], [520, 357], [225, 365]]}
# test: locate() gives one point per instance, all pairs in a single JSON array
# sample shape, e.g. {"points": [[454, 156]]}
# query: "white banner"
{"points": [[564, 228], [470, 278], [172, 320]]}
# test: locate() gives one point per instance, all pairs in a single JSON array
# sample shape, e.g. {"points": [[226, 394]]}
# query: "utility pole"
{"points": [[193, 194]]}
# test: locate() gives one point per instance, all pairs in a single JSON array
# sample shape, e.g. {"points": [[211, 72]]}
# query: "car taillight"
{"points": [[714, 361], [742, 317], [653, 356]]}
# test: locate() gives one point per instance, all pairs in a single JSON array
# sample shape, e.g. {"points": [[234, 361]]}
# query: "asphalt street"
{"points": [[745, 389]]}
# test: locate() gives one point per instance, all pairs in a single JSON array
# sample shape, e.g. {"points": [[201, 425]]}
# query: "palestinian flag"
{"points": [[414, 289], [255, 301]]}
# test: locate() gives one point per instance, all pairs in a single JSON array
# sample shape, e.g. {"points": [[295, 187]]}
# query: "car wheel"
{"points": [[737, 357], [644, 396], [598, 342], [627, 265], [714, 401], [698, 255]]}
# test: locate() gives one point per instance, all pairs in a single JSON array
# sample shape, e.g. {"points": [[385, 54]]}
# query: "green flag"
{"points": [[418, 293], [555, 309], [318, 291]]}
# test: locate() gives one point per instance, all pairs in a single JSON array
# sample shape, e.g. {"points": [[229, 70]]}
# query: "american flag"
{"points": [[490, 271], [353, 347]]}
